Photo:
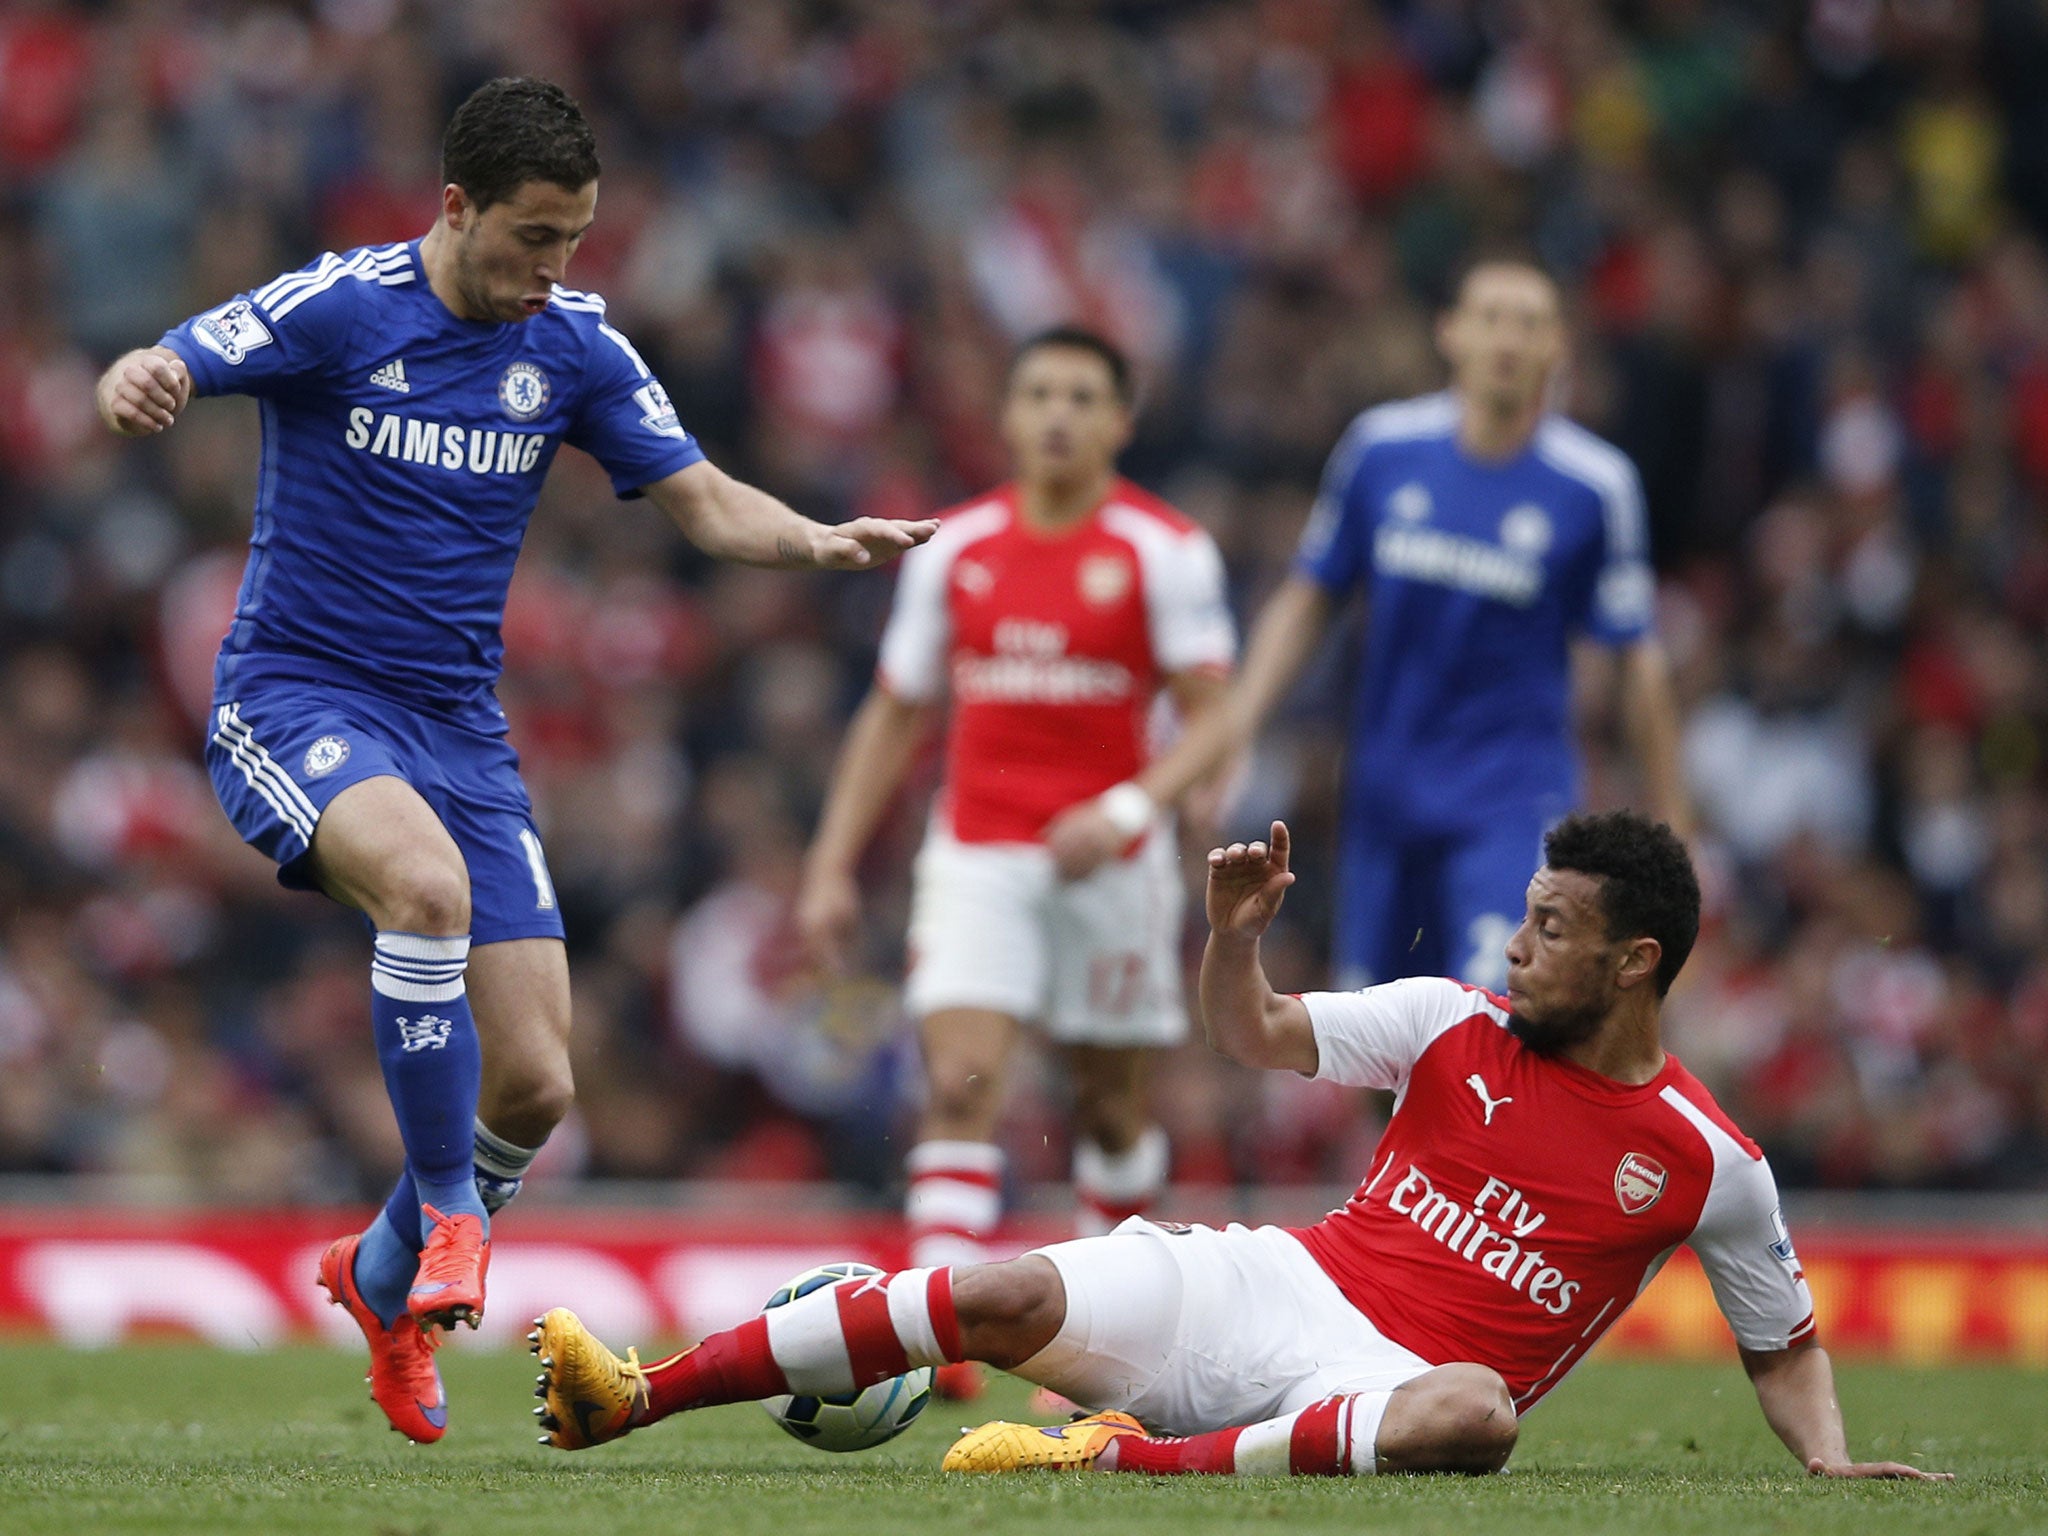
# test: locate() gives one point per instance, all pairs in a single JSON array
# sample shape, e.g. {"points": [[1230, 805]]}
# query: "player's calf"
{"points": [[1008, 1312]]}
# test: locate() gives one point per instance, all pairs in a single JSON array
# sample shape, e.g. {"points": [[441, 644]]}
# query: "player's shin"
{"points": [[842, 1339], [1111, 1186], [1332, 1438], [433, 1064]]}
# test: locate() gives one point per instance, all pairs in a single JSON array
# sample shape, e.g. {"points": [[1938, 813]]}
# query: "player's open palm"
{"points": [[870, 541], [1880, 1469], [1247, 882]]}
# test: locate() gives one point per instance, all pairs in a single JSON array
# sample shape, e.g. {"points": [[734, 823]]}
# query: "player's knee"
{"points": [[428, 895], [540, 1097], [1477, 1421]]}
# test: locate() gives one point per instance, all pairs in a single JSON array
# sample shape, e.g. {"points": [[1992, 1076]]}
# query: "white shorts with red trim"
{"points": [[1094, 961], [1194, 1329]]}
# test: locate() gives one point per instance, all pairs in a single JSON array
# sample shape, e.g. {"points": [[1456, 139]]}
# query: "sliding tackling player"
{"points": [[1546, 1156]]}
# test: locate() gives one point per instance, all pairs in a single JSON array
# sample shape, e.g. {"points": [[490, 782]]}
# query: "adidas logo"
{"points": [[392, 376]]}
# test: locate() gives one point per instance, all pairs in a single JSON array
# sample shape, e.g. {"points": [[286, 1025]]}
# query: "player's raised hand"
{"points": [[1897, 1470], [828, 917], [1246, 884], [142, 393], [869, 541]]}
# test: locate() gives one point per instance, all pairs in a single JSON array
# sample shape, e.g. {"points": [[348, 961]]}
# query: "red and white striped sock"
{"points": [[954, 1201], [839, 1339], [1110, 1186], [1333, 1438]]}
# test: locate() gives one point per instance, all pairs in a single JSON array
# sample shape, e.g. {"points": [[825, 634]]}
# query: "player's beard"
{"points": [[1560, 1029]]}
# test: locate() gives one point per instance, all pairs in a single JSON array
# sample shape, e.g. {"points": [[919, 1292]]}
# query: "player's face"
{"points": [[1062, 417], [1561, 962], [509, 256], [1504, 337]]}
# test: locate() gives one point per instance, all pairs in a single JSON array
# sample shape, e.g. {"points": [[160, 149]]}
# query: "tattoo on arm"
{"points": [[787, 548]]}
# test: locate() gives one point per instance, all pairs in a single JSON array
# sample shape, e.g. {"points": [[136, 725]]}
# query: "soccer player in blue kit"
{"points": [[1489, 534], [413, 397]]}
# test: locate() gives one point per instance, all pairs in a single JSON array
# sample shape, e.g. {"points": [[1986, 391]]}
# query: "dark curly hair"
{"points": [[1647, 884], [514, 130]]}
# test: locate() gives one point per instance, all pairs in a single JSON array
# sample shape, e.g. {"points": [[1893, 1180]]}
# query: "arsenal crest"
{"points": [[1638, 1183], [1104, 579]]}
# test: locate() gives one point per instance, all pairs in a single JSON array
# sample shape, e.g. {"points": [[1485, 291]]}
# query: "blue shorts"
{"points": [[1433, 906], [279, 754]]}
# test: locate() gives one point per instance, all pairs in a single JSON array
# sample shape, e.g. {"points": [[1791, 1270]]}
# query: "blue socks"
{"points": [[433, 1069]]}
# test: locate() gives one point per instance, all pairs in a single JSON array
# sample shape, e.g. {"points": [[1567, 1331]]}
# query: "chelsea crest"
{"points": [[523, 391]]}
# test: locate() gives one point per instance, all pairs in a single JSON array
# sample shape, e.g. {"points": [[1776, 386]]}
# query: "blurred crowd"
{"points": [[1803, 250]]}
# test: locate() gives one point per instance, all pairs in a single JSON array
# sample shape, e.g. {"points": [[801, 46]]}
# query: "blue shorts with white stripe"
{"points": [[278, 755]]}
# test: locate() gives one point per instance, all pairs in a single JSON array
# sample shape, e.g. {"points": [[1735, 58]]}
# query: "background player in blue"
{"points": [[412, 399], [1488, 533]]}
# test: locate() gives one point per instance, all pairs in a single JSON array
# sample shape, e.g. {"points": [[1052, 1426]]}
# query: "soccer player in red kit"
{"points": [[1043, 622], [1545, 1157]]}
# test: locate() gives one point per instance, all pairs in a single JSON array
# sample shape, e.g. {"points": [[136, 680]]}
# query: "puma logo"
{"points": [[1486, 1100]]}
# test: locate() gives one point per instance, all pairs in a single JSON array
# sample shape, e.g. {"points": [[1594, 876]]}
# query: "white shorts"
{"points": [[1198, 1329], [1093, 961]]}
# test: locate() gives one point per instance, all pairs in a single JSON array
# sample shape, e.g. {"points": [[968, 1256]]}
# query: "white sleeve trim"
{"points": [[1187, 617], [1373, 1038], [1743, 1246]]}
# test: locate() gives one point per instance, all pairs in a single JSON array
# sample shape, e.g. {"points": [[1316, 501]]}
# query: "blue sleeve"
{"points": [[1336, 543], [1622, 597], [293, 326], [624, 419]]}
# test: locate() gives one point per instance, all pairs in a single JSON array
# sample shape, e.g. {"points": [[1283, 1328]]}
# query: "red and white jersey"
{"points": [[1053, 646], [1518, 1202]]}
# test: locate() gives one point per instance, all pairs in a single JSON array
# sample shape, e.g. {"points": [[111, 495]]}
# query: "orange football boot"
{"points": [[449, 1287], [404, 1381]]}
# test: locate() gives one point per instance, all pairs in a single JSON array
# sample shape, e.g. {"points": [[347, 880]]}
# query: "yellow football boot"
{"points": [[1004, 1447], [589, 1395]]}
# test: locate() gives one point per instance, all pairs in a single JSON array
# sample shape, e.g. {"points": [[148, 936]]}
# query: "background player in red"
{"points": [[1545, 1157], [1052, 611]]}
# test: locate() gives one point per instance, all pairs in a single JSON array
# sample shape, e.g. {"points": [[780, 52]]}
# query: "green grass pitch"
{"points": [[168, 1439]]}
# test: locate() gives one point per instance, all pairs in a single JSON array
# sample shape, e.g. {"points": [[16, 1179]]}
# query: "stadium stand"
{"points": [[1803, 248]]}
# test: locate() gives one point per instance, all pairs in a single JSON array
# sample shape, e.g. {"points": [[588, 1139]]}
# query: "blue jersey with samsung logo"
{"points": [[403, 452], [1478, 574]]}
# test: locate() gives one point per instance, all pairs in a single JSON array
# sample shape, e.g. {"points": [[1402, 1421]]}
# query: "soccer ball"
{"points": [[848, 1421]]}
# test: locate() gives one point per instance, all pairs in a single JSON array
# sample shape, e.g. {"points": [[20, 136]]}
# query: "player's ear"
{"points": [[455, 207], [1639, 961]]}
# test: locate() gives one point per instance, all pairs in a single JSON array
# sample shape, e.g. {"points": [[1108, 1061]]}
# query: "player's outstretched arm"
{"points": [[1244, 1017], [143, 391], [1796, 1388], [884, 736], [735, 521]]}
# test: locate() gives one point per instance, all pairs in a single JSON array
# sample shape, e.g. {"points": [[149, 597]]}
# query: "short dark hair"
{"points": [[1647, 884], [1081, 339], [514, 130]]}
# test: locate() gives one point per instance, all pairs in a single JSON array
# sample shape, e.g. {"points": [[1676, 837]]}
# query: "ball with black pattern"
{"points": [[847, 1421]]}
